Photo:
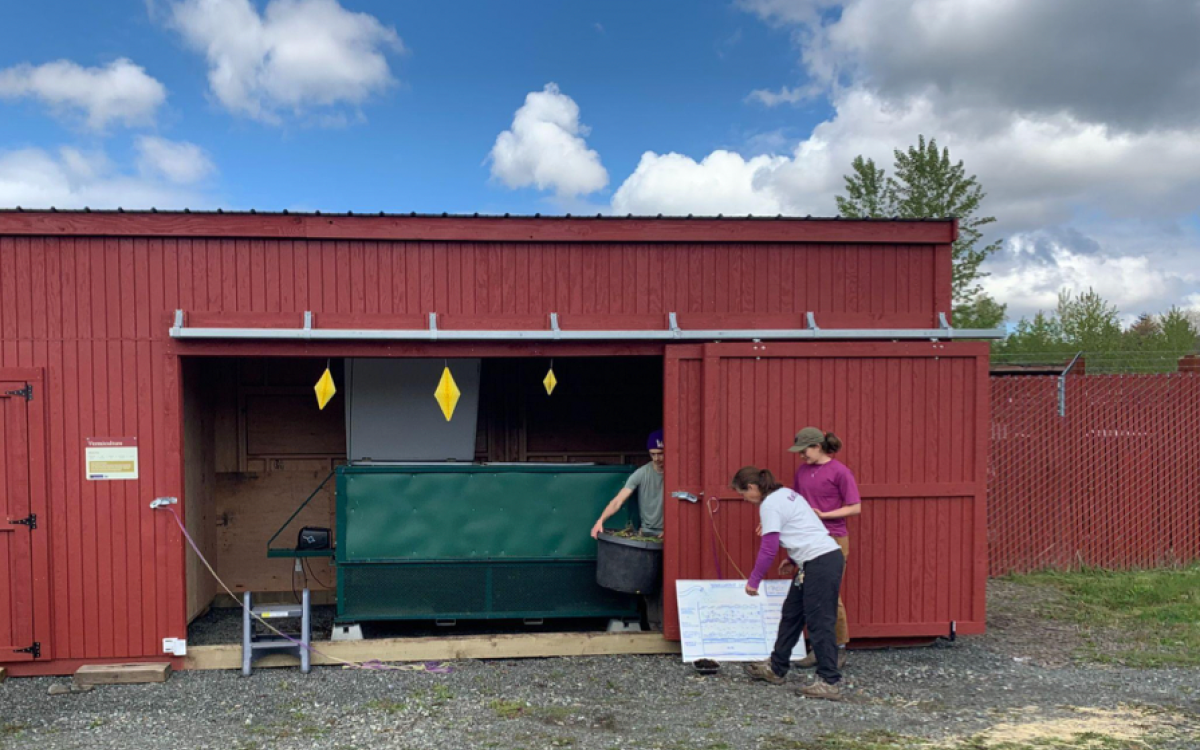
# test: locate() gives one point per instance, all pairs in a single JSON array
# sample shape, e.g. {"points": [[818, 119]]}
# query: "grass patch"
{"points": [[387, 705], [1155, 612], [507, 709]]}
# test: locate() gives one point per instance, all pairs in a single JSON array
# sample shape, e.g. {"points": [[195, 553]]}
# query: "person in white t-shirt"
{"points": [[815, 561]]}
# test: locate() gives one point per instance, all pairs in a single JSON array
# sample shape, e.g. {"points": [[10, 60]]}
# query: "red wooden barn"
{"points": [[198, 337]]}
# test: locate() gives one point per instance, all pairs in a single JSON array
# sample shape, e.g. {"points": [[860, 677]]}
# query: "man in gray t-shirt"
{"points": [[647, 482]]}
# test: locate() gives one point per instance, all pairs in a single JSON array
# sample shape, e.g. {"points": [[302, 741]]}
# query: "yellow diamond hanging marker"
{"points": [[325, 389], [550, 381], [447, 393]]}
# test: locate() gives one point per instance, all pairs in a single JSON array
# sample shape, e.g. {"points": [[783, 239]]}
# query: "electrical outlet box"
{"points": [[175, 646]]}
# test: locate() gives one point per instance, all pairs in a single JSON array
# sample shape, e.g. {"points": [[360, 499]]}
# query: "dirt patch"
{"points": [[1086, 727], [1021, 623]]}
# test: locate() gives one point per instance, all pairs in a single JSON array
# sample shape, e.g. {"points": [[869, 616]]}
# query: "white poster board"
{"points": [[718, 620], [107, 459]]}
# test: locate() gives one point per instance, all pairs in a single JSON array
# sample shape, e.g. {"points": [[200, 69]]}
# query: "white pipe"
{"points": [[334, 334]]}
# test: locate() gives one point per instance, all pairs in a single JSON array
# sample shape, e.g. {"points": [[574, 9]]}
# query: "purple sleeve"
{"points": [[848, 487], [766, 555]]}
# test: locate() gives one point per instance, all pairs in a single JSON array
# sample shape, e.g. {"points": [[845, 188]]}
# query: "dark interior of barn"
{"points": [[256, 445]]}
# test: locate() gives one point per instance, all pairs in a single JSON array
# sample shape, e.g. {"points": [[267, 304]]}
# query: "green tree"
{"points": [[1041, 335], [1179, 332], [927, 184], [867, 193], [980, 312], [1146, 334], [1088, 322]]}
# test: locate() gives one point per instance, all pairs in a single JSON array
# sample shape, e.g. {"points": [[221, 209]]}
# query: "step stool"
{"points": [[256, 646]]}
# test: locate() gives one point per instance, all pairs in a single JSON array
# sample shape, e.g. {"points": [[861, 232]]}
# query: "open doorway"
{"points": [[256, 446]]}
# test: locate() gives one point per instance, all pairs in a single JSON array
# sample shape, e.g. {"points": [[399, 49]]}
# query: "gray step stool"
{"points": [[256, 646]]}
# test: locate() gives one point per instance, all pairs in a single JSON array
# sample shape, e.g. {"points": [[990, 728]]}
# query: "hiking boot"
{"points": [[822, 690], [810, 661], [761, 670]]}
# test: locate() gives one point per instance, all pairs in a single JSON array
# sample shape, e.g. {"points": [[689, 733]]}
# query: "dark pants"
{"points": [[812, 602]]}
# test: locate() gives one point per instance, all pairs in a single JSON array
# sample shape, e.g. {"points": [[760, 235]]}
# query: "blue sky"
{"points": [[668, 76], [1080, 117]]}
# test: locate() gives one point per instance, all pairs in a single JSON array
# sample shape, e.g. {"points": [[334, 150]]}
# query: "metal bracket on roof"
{"points": [[554, 325], [811, 321], [308, 324], [178, 320], [942, 322], [673, 324], [433, 330]]}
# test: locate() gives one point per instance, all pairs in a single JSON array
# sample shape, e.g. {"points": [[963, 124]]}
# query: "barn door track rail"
{"points": [[555, 332]]}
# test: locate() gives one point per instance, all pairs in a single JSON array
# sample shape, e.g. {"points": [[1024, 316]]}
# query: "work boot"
{"points": [[762, 670], [810, 661], [822, 690]]}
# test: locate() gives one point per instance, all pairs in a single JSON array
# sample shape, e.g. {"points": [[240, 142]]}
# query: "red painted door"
{"points": [[914, 420], [17, 526]]}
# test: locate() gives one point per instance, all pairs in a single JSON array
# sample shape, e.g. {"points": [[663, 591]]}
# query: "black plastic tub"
{"points": [[628, 565]]}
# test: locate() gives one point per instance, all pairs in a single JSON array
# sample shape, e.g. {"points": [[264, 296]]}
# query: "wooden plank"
{"points": [[249, 509], [3, 674], [122, 674], [485, 229], [519, 646], [199, 477]]}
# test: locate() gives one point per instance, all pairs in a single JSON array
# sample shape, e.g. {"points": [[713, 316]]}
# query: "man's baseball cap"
{"points": [[806, 437], [655, 441]]}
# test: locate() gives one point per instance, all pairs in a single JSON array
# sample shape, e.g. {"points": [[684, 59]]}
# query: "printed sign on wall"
{"points": [[111, 458]]}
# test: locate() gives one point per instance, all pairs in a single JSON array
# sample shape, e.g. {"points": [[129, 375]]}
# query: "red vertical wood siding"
{"points": [[910, 415], [87, 299]]}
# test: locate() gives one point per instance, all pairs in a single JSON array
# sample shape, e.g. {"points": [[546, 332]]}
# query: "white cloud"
{"points": [[545, 148], [785, 95], [297, 55], [1129, 65], [35, 178], [177, 161], [723, 183], [118, 92], [1133, 283], [1036, 171]]}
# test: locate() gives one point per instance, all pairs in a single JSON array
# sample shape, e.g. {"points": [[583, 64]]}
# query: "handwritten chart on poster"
{"points": [[719, 621]]}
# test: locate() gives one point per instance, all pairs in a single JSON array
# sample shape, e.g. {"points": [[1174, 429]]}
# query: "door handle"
{"points": [[685, 496]]}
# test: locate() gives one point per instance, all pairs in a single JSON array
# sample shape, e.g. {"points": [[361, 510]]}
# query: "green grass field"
{"points": [[1155, 614]]}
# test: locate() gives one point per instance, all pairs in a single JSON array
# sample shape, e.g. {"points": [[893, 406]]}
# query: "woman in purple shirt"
{"points": [[831, 491]]}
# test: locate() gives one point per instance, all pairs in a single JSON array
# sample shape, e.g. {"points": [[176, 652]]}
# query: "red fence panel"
{"points": [[1113, 481]]}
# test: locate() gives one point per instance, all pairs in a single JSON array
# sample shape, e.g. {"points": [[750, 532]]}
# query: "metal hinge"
{"points": [[25, 393], [29, 520], [35, 649]]}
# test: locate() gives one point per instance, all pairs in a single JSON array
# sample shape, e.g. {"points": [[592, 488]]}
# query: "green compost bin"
{"points": [[472, 541]]}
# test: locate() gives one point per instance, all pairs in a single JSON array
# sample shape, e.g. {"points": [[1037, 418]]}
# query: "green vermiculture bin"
{"points": [[473, 541]]}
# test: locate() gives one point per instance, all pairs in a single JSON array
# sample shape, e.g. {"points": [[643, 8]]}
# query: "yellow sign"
{"points": [[325, 389], [447, 393], [550, 381]]}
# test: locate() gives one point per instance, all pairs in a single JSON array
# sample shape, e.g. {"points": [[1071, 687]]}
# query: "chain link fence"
{"points": [[1094, 470]]}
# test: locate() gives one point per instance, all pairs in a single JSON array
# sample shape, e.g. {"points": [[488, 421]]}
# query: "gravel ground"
{"points": [[940, 692]]}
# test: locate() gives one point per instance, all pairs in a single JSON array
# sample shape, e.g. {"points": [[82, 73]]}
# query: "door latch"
{"points": [[685, 496]]}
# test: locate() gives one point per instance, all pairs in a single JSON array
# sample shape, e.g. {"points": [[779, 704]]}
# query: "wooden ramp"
{"points": [[516, 646]]}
